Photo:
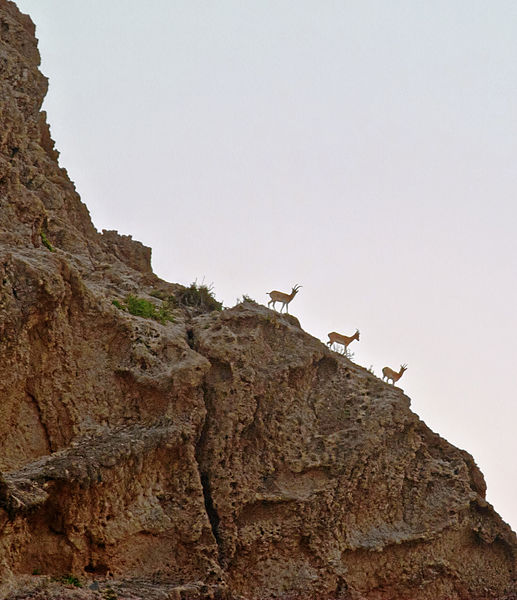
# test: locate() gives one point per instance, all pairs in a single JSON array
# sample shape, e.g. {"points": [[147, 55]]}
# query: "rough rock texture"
{"points": [[222, 455]]}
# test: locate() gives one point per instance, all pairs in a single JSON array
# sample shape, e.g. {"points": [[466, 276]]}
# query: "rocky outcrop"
{"points": [[199, 453]]}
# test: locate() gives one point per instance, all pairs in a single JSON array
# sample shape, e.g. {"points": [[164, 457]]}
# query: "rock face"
{"points": [[218, 455]]}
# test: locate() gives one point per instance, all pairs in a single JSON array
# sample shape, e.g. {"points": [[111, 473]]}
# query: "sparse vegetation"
{"points": [[45, 241], [169, 300], [70, 580], [246, 298], [199, 296], [141, 307], [109, 594]]}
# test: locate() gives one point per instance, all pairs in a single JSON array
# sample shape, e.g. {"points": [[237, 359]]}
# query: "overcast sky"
{"points": [[363, 149]]}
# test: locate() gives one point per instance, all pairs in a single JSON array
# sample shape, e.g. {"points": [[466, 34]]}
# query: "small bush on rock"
{"points": [[45, 241], [199, 296], [70, 580], [140, 307]]}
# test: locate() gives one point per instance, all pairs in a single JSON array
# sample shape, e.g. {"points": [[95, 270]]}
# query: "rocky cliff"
{"points": [[174, 451]]}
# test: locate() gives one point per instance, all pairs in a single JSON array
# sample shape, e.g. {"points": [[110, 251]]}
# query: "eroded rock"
{"points": [[218, 455]]}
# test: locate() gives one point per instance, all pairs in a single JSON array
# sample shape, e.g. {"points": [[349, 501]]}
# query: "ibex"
{"points": [[388, 374], [283, 298], [344, 340]]}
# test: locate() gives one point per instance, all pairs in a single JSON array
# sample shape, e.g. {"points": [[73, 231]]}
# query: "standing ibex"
{"points": [[283, 298], [344, 340], [388, 373]]}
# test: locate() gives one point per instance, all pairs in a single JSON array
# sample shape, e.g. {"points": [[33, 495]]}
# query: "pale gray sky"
{"points": [[364, 149]]}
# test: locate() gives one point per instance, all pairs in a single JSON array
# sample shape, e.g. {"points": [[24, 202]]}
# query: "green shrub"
{"points": [[141, 307], [70, 580], [118, 305], [199, 296], [45, 241], [163, 314]]}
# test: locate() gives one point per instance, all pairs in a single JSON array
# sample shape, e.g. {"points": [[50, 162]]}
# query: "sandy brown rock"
{"points": [[321, 477], [219, 455]]}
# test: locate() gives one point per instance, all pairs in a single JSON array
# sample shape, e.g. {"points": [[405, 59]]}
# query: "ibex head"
{"points": [[403, 368], [295, 289], [357, 334]]}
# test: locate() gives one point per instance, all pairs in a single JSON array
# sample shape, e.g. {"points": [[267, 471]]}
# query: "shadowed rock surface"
{"points": [[218, 455]]}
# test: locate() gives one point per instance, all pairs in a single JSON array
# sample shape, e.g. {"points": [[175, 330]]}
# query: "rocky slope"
{"points": [[218, 455]]}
